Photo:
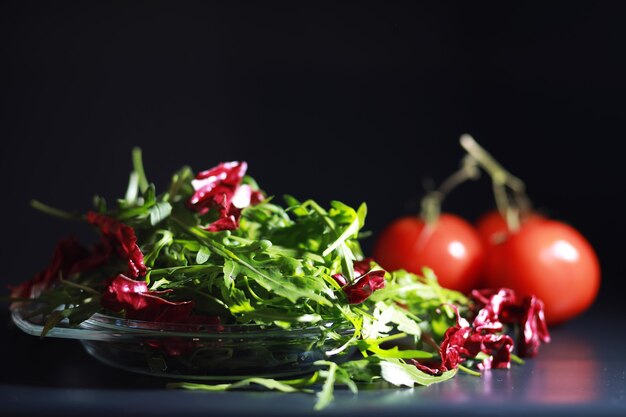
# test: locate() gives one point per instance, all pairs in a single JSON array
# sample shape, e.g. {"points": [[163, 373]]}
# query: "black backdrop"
{"points": [[324, 100]]}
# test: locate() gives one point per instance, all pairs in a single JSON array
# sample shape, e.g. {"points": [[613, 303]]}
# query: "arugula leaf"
{"points": [[138, 169], [353, 227], [268, 276], [400, 374], [166, 239], [159, 212], [395, 352], [267, 383], [362, 370], [203, 255], [325, 396], [133, 188]]}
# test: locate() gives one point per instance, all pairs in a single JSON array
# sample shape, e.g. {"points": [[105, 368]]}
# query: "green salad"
{"points": [[214, 250]]}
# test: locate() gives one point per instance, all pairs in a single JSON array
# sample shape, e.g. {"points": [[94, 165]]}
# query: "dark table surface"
{"points": [[582, 372]]}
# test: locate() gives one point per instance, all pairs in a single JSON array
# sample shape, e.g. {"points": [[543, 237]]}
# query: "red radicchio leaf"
{"points": [[138, 303], [367, 281], [362, 267], [220, 188], [535, 329], [502, 306], [452, 350], [222, 179], [340, 279], [497, 306], [461, 342], [365, 286], [122, 238], [498, 346], [70, 257]]}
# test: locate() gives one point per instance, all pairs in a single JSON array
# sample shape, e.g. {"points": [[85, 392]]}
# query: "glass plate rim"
{"points": [[104, 327]]}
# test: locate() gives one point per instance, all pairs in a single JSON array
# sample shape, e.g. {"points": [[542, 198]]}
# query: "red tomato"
{"points": [[551, 260], [492, 227], [451, 248]]}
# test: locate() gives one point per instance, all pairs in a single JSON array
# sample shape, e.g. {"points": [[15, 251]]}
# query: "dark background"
{"points": [[327, 101]]}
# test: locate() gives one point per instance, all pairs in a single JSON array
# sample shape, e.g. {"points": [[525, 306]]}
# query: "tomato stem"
{"points": [[488, 162], [431, 203], [511, 207]]}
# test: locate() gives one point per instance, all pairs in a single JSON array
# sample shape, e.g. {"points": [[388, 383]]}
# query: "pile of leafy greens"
{"points": [[214, 249]]}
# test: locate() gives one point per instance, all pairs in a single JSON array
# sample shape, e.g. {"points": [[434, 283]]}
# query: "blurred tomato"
{"points": [[450, 247], [547, 258], [492, 227]]}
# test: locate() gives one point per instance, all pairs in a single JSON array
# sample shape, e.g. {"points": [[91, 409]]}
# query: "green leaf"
{"points": [[349, 231], [238, 302], [295, 206], [363, 370], [343, 377], [53, 319], [267, 383], [133, 188], [268, 275], [401, 374], [325, 396], [231, 270], [166, 239], [395, 352], [149, 195], [385, 318], [391, 313], [138, 168], [192, 386], [203, 255], [99, 204], [82, 312], [180, 185], [159, 212]]}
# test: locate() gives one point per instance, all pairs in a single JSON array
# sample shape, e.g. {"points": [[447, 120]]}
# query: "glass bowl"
{"points": [[195, 352]]}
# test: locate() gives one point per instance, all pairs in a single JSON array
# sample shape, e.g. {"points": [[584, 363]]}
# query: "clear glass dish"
{"points": [[194, 352]]}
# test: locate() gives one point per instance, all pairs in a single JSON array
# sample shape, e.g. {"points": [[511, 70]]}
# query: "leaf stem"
{"points": [[387, 338], [52, 211], [468, 370], [517, 359], [80, 287], [138, 168]]}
